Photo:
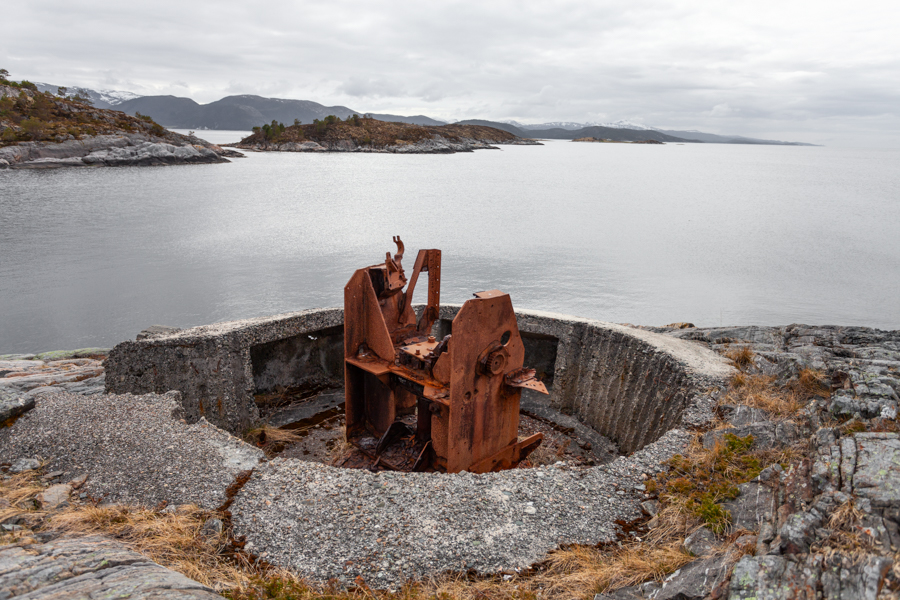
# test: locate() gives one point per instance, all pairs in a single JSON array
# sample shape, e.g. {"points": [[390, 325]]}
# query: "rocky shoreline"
{"points": [[124, 150], [436, 145], [41, 131], [365, 134]]}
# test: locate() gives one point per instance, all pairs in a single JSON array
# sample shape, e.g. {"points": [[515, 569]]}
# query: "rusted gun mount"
{"points": [[464, 389]]}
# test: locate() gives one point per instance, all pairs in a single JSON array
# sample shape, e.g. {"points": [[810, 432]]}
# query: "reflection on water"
{"points": [[710, 234]]}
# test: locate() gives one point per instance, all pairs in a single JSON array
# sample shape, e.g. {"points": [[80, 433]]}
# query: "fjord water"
{"points": [[707, 233]]}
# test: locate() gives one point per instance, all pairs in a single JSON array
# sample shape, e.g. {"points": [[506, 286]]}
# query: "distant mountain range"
{"points": [[247, 111], [572, 125], [99, 98], [595, 131]]}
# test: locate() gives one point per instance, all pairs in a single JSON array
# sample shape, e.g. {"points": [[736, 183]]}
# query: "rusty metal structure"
{"points": [[464, 389]]}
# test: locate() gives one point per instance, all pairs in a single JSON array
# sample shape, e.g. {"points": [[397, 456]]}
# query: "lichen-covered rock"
{"points": [[798, 533], [696, 580], [91, 567], [701, 542], [13, 404], [866, 465], [834, 577], [744, 415], [846, 403], [751, 507], [765, 434]]}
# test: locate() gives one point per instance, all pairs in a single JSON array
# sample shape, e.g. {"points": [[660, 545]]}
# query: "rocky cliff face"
{"points": [[39, 131]]}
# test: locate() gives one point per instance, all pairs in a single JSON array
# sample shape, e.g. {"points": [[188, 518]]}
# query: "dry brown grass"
{"points": [[174, 540], [582, 571], [18, 502], [847, 536], [273, 440], [810, 383], [741, 356], [761, 391], [339, 451]]}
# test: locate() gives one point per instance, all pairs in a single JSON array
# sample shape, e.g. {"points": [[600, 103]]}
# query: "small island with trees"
{"points": [[365, 134]]}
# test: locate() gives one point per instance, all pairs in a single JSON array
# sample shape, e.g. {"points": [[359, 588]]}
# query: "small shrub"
{"points": [[6, 105], [35, 129], [714, 515]]}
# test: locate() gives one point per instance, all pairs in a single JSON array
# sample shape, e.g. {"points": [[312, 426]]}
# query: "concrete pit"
{"points": [[638, 389]]}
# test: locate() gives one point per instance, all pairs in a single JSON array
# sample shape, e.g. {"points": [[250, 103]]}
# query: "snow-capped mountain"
{"points": [[99, 98], [623, 124], [570, 125]]}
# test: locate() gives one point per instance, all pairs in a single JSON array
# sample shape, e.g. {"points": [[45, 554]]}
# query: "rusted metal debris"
{"points": [[464, 389]]}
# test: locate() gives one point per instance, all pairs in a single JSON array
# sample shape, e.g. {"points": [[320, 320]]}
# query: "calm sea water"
{"points": [[711, 234]]}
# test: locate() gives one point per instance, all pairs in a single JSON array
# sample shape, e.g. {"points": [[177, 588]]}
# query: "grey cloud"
{"points": [[750, 68]]}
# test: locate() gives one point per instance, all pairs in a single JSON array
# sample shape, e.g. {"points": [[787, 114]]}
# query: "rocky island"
{"points": [[39, 130], [365, 134]]}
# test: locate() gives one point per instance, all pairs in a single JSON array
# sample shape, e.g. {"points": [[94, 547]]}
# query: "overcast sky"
{"points": [[820, 71]]}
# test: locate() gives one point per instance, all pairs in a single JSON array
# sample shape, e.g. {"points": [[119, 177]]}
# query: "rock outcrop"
{"points": [[126, 149], [90, 567], [41, 131]]}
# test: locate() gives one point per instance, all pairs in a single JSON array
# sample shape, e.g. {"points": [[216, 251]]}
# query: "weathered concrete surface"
{"points": [[90, 567], [603, 374], [212, 366], [326, 522], [133, 449]]}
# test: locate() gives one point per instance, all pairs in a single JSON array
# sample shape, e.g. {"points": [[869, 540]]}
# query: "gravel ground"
{"points": [[326, 522], [134, 449]]}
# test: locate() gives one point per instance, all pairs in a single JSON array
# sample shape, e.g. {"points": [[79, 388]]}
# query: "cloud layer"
{"points": [[826, 71]]}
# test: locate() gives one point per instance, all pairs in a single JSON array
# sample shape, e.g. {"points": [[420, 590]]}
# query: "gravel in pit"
{"points": [[134, 449], [387, 527]]}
